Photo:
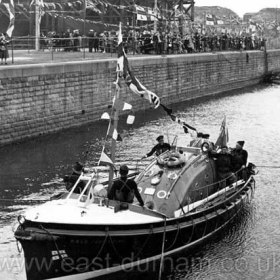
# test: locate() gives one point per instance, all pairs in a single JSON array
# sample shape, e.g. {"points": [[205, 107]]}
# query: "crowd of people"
{"points": [[150, 42]]}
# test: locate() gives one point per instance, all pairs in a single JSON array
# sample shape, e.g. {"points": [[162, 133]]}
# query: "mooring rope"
{"points": [[268, 166]]}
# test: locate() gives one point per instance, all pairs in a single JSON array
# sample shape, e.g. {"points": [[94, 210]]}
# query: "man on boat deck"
{"points": [[159, 148], [70, 181], [239, 159], [224, 166], [124, 189]]}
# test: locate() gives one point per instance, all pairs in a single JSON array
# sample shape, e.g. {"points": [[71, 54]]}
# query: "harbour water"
{"points": [[249, 249]]}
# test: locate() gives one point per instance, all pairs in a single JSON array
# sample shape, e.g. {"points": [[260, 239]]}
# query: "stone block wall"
{"points": [[40, 99]]}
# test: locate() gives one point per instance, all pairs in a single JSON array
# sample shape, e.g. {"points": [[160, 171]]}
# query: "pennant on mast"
{"points": [[105, 160], [223, 137]]}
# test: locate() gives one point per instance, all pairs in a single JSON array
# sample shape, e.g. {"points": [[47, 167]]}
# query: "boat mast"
{"points": [[114, 123], [115, 113]]}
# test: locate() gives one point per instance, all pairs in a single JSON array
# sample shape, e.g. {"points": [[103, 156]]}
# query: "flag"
{"points": [[219, 21], [209, 19], [105, 116], [116, 136], [105, 160], [223, 137], [135, 86], [152, 14], [253, 26], [120, 105], [121, 62], [130, 119], [260, 27], [11, 10], [167, 110], [187, 128], [126, 106], [141, 13]]}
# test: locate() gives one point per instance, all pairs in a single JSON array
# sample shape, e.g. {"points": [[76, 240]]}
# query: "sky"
{"points": [[241, 6]]}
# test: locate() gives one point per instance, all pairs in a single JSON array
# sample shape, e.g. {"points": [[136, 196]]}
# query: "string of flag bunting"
{"points": [[124, 72]]}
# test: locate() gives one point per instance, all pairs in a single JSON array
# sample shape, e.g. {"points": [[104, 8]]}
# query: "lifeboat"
{"points": [[86, 235]]}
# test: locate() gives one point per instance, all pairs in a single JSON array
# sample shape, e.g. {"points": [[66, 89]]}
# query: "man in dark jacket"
{"points": [[239, 158], [124, 189], [70, 181], [224, 166], [159, 148]]}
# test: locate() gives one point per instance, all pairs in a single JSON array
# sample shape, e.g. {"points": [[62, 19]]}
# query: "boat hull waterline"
{"points": [[87, 251]]}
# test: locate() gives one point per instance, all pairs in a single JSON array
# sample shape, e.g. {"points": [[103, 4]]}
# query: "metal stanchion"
{"points": [[28, 42], [52, 50], [84, 47], [12, 50]]}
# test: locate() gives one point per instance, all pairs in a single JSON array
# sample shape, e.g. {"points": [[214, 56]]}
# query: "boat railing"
{"points": [[90, 189], [220, 193], [202, 195], [85, 182], [206, 190]]}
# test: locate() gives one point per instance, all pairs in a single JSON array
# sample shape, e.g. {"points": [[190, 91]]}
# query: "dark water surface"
{"points": [[249, 249]]}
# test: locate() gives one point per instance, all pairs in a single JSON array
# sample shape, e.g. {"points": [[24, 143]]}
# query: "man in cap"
{"points": [[159, 148], [124, 189], [223, 166], [239, 158]]}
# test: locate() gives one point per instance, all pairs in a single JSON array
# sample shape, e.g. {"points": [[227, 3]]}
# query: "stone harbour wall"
{"points": [[41, 99]]}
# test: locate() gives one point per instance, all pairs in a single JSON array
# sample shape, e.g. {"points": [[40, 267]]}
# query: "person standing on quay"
{"points": [[4, 54]]}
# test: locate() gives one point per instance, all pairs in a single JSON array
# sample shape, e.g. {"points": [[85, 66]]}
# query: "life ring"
{"points": [[162, 160], [175, 159], [161, 194]]}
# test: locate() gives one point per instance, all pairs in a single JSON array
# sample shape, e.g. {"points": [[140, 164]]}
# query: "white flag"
{"points": [[130, 119]]}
